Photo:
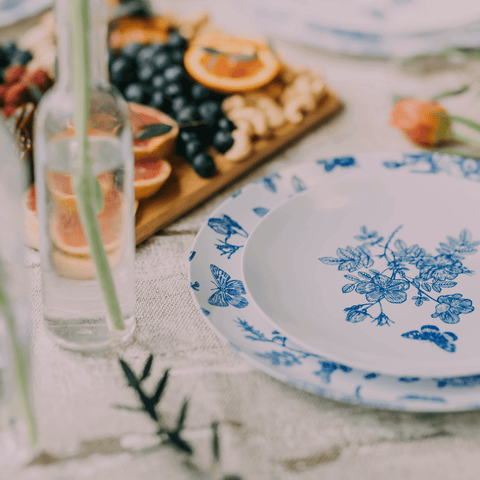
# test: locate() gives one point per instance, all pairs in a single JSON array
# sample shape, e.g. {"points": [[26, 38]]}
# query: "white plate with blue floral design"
{"points": [[353, 278]]}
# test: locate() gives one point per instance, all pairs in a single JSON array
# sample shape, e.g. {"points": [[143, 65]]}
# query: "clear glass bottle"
{"points": [[17, 423], [74, 308]]}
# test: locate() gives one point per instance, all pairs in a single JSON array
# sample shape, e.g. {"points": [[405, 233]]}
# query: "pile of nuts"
{"points": [[286, 100]]}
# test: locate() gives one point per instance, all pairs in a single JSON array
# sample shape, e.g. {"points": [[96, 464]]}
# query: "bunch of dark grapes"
{"points": [[10, 54], [154, 75]]}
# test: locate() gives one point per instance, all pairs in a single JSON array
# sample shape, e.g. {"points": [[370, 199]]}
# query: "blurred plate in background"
{"points": [[12, 11], [371, 27]]}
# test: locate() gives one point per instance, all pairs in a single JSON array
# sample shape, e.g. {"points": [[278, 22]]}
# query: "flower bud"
{"points": [[426, 123]]}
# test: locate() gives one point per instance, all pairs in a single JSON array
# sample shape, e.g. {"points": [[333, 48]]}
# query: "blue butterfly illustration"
{"points": [[432, 334], [228, 292]]}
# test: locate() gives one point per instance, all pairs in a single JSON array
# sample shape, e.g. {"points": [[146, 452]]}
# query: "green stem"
{"points": [[466, 121], [465, 139], [85, 183], [451, 93], [21, 364]]}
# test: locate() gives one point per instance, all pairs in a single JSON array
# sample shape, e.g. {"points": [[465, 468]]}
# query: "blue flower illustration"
{"points": [[356, 314], [391, 284], [383, 287], [470, 381], [229, 292], [290, 355], [382, 320], [195, 286], [441, 267], [284, 358], [350, 259], [327, 368], [451, 306], [432, 334]]}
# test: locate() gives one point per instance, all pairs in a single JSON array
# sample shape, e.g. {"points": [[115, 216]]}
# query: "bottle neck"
{"points": [[97, 40]]}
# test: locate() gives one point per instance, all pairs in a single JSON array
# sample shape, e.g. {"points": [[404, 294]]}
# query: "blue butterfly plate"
{"points": [[353, 278]]}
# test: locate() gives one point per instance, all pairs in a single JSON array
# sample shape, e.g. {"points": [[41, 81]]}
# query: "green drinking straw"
{"points": [[86, 186], [20, 362]]}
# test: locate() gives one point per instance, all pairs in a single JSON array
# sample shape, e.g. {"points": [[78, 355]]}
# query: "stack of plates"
{"points": [[372, 27], [354, 278]]}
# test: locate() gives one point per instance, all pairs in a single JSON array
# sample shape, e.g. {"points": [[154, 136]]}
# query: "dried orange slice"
{"points": [[139, 30], [150, 175], [161, 146], [230, 64]]}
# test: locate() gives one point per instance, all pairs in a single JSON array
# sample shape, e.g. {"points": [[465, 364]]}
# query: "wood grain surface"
{"points": [[185, 190]]}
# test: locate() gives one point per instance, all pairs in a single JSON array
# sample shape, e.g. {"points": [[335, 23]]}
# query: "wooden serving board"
{"points": [[184, 189]]}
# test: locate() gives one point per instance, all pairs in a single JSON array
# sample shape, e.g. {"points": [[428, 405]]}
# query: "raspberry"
{"points": [[16, 94], [3, 91], [13, 74], [9, 110], [40, 78]]}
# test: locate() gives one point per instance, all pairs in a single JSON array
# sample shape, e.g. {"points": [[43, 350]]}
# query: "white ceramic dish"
{"points": [[12, 11], [371, 27], [255, 265]]}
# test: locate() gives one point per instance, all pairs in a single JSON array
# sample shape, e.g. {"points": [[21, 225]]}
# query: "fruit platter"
{"points": [[205, 106]]}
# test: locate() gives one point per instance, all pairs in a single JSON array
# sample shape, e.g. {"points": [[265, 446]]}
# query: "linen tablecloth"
{"points": [[268, 430]]}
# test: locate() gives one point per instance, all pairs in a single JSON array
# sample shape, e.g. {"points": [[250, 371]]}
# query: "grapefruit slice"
{"points": [[68, 235], [60, 186], [78, 267], [150, 175], [229, 63], [161, 146], [31, 220]]}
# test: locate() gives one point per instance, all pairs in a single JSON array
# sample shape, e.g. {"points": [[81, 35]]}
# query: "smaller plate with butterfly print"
{"points": [[229, 300]]}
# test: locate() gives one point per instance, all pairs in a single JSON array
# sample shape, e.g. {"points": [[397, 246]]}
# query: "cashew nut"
{"points": [[302, 84], [255, 116], [318, 88], [294, 108], [233, 102], [269, 107], [245, 126], [242, 146]]}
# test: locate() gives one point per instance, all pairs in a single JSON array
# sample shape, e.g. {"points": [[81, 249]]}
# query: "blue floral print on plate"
{"points": [[223, 294]]}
